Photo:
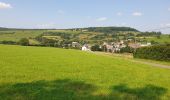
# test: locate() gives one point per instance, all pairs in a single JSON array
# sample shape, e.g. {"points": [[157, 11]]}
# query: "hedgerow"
{"points": [[159, 52]]}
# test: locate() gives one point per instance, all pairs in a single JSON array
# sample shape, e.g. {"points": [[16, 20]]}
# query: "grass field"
{"points": [[163, 39], [16, 35], [38, 73], [129, 56]]}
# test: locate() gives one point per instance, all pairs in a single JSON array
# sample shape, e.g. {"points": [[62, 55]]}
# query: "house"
{"points": [[108, 47], [117, 46], [138, 45], [86, 48], [134, 45], [114, 46], [76, 45], [84, 30], [147, 44]]}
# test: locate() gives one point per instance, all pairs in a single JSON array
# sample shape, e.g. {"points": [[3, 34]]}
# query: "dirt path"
{"points": [[130, 58], [153, 64]]}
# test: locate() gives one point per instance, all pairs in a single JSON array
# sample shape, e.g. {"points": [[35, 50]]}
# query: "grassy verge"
{"points": [[128, 56]]}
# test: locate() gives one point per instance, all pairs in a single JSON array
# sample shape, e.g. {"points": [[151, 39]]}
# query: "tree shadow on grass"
{"points": [[149, 92], [75, 90], [44, 90]]}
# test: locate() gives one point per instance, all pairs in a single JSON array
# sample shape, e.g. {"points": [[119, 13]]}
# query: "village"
{"points": [[112, 47]]}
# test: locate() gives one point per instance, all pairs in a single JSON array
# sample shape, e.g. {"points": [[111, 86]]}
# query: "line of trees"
{"points": [[23, 42], [110, 29], [158, 52], [149, 34]]}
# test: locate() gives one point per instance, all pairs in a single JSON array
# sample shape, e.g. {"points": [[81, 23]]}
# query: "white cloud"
{"points": [[137, 14], [168, 9], [5, 5], [168, 24], [164, 28], [123, 24], [89, 17], [49, 25], [119, 14], [102, 19], [162, 25], [60, 12], [165, 25]]}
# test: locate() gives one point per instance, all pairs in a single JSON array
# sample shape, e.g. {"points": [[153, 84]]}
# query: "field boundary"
{"points": [[130, 58]]}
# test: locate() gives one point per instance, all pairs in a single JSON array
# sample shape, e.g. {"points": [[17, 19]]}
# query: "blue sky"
{"points": [[145, 15]]}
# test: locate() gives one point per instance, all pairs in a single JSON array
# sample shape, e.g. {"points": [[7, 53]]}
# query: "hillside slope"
{"points": [[41, 73]]}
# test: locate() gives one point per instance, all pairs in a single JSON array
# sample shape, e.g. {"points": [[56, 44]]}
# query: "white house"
{"points": [[147, 44], [75, 44], [114, 47], [117, 46], [86, 48]]}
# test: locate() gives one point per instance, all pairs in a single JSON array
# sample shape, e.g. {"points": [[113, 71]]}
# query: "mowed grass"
{"points": [[38, 73]]}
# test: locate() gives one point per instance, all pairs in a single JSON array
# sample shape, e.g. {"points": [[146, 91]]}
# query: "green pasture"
{"points": [[39, 73], [162, 39], [16, 35]]}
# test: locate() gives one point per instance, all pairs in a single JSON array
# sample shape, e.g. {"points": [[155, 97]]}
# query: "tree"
{"points": [[96, 48], [153, 42], [126, 50], [158, 37], [24, 42]]}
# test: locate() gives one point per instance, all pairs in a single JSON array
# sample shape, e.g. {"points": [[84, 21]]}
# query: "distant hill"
{"points": [[110, 29], [90, 29], [20, 29], [3, 29]]}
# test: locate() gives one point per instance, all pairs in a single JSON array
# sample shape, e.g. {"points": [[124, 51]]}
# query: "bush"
{"points": [[24, 42], [96, 48], [159, 52], [126, 50], [154, 43], [8, 42]]}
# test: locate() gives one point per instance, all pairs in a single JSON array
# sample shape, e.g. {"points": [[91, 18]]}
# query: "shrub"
{"points": [[126, 50], [96, 48], [24, 42], [154, 43], [159, 52], [8, 42]]}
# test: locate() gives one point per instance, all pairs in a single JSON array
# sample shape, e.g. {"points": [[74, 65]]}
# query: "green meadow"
{"points": [[163, 39], [39, 73], [16, 35]]}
